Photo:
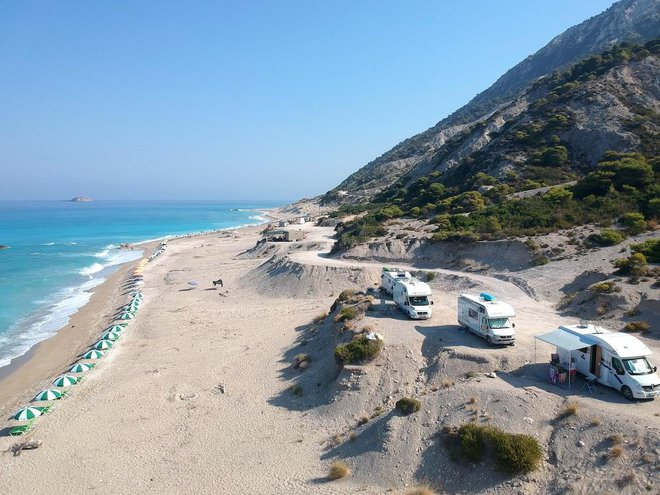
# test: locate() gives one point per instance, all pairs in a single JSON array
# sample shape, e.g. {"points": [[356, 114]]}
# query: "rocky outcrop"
{"points": [[634, 21]]}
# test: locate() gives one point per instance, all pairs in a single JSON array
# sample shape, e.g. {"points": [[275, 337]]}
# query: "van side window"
{"points": [[616, 364], [482, 309], [473, 314]]}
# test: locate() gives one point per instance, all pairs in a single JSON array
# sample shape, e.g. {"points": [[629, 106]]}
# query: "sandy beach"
{"points": [[197, 398]]}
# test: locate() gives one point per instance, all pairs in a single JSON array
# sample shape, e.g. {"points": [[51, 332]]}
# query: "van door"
{"points": [[614, 379]]}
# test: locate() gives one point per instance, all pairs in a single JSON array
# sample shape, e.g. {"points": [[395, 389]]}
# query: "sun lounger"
{"points": [[44, 409], [21, 429]]}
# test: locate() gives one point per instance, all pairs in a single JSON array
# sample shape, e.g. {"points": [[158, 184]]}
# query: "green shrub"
{"points": [[607, 237], [430, 276], [604, 287], [408, 405], [514, 453], [360, 349], [634, 223], [346, 294], [637, 326], [472, 441], [347, 313], [634, 265], [649, 248]]}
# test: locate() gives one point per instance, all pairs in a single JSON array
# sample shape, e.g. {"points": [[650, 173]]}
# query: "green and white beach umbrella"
{"points": [[115, 328], [27, 413], [93, 354], [111, 336], [126, 316], [103, 344], [48, 394], [65, 381], [80, 368]]}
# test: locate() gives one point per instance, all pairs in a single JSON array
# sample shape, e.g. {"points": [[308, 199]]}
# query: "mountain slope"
{"points": [[628, 20]]}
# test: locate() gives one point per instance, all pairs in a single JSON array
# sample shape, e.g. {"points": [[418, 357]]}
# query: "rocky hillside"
{"points": [[452, 139]]}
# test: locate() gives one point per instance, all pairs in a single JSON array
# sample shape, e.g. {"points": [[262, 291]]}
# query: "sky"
{"points": [[160, 99]]}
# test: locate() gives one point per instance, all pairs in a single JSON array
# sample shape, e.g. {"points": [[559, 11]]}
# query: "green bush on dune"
{"points": [[513, 453], [360, 349]]}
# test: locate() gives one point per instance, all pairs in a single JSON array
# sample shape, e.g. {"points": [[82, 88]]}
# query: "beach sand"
{"points": [[184, 403], [195, 397]]}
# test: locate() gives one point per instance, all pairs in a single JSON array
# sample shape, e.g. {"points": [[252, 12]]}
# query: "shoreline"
{"points": [[25, 375]]}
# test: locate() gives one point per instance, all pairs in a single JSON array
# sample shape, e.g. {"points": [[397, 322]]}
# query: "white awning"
{"points": [[565, 340]]}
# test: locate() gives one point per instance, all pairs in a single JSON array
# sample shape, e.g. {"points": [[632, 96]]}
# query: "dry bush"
{"points": [[346, 295], [363, 420], [472, 400], [446, 383], [614, 453], [301, 360], [627, 479], [571, 409], [648, 458], [338, 470], [616, 439], [369, 328], [420, 490], [596, 422], [377, 412], [319, 318], [637, 326]]}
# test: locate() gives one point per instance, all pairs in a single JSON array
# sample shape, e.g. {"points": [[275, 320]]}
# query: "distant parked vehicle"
{"points": [[408, 293], [487, 317]]}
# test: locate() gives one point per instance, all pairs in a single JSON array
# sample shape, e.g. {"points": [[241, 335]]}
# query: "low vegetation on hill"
{"points": [[475, 200]]}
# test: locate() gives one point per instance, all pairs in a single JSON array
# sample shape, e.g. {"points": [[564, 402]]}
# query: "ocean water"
{"points": [[58, 250]]}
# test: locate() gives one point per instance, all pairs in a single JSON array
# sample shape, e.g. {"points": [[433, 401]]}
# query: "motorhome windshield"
{"points": [[638, 366], [499, 323], [418, 300]]}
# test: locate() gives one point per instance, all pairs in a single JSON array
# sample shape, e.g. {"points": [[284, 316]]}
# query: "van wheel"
{"points": [[627, 393], [489, 340]]}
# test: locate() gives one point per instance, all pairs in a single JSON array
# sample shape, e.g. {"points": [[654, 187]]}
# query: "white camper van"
{"points": [[615, 359], [487, 317], [408, 293]]}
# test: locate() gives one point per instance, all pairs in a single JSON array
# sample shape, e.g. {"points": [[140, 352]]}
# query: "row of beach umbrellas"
{"points": [[107, 341]]}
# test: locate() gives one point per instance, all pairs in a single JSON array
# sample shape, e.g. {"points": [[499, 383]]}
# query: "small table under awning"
{"points": [[564, 340]]}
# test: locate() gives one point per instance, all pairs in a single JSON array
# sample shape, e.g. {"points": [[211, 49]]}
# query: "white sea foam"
{"points": [[56, 310], [91, 270], [103, 254], [49, 244], [24, 334]]}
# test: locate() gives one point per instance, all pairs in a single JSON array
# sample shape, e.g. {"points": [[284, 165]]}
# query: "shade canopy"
{"points": [[110, 336], [80, 368], [126, 316], [116, 328], [103, 344], [27, 413], [564, 340], [48, 394], [93, 354], [65, 381]]}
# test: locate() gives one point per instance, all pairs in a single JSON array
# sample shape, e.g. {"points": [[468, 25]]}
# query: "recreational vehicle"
{"points": [[614, 359], [408, 293], [487, 317]]}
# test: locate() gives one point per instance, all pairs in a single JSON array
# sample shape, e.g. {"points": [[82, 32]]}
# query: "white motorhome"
{"points": [[408, 293], [614, 359], [487, 317]]}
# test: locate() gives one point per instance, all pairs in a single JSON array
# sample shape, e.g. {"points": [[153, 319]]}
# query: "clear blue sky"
{"points": [[159, 99]]}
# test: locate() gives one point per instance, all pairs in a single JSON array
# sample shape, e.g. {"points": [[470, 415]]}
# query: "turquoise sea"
{"points": [[58, 250]]}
